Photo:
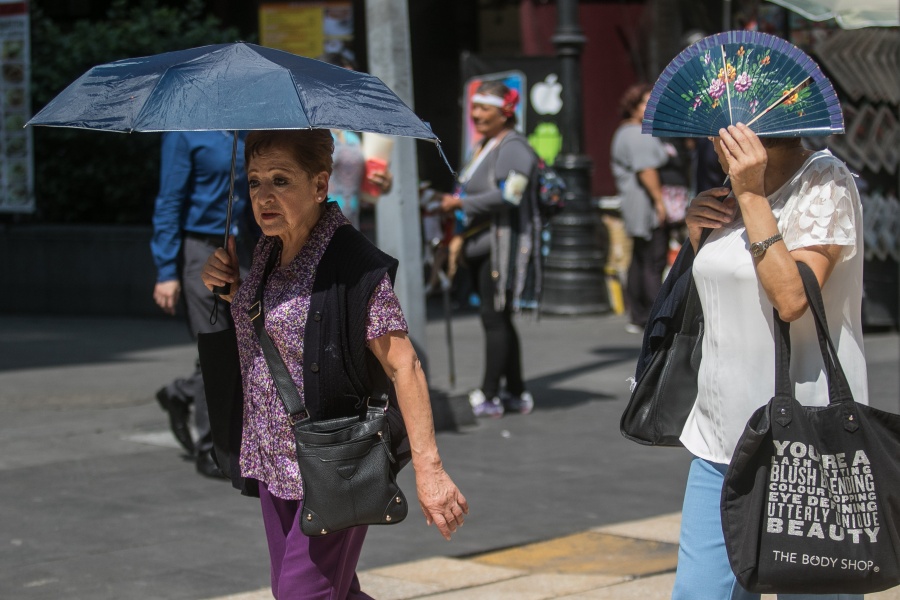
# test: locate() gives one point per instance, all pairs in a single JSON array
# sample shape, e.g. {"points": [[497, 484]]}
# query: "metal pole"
{"points": [[574, 281], [448, 320], [397, 227]]}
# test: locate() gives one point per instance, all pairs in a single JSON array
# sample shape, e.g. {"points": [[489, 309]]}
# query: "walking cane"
{"points": [[448, 314]]}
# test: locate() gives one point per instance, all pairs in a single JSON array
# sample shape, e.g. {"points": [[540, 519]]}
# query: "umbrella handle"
{"points": [[224, 290]]}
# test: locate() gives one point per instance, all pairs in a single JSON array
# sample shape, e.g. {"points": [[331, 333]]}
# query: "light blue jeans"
{"points": [[704, 572]]}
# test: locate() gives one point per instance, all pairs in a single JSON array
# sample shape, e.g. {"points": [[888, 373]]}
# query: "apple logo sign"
{"points": [[546, 96]]}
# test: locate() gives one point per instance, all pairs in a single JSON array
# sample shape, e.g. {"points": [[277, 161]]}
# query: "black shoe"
{"points": [[206, 465], [178, 418]]}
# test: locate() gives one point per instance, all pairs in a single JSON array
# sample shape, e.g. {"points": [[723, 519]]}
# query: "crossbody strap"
{"points": [[284, 384]]}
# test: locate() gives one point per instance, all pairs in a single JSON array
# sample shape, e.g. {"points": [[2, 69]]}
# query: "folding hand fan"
{"points": [[742, 77]]}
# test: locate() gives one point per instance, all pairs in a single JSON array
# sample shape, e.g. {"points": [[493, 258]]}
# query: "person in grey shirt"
{"points": [[496, 194], [636, 158]]}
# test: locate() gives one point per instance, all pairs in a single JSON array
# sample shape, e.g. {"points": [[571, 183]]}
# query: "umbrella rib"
{"points": [[137, 117], [300, 100]]}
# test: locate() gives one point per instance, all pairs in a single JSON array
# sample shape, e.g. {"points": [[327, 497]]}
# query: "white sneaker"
{"points": [[482, 407], [632, 328], [522, 404], [476, 397]]}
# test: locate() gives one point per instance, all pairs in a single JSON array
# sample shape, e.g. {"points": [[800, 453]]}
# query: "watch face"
{"points": [[757, 249]]}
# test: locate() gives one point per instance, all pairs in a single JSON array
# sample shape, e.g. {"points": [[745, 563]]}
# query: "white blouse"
{"points": [[820, 205]]}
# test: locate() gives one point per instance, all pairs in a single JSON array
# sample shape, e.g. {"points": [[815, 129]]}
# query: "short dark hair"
{"points": [[311, 148], [631, 98]]}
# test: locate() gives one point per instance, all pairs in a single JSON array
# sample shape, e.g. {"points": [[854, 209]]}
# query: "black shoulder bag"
{"points": [[811, 502], [345, 463], [666, 388]]}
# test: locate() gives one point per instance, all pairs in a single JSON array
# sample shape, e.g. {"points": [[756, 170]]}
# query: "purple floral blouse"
{"points": [[268, 453]]}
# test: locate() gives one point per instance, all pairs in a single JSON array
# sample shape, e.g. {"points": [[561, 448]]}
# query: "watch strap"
{"points": [[759, 248]]}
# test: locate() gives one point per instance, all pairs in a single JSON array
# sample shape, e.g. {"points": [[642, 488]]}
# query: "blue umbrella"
{"points": [[230, 87]]}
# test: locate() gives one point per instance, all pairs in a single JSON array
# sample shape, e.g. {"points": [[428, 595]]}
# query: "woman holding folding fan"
{"points": [[755, 96], [787, 204]]}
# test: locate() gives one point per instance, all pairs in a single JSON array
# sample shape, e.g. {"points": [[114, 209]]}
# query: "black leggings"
{"points": [[503, 357]]}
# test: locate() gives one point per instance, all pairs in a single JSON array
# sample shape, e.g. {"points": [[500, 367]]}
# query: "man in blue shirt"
{"points": [[188, 225]]}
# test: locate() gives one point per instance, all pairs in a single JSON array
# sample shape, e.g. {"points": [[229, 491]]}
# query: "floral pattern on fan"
{"points": [[742, 77], [747, 73]]}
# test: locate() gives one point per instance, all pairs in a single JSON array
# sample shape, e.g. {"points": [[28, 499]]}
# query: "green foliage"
{"points": [[104, 177]]}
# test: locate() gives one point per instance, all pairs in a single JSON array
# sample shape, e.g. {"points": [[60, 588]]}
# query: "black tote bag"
{"points": [[811, 499]]}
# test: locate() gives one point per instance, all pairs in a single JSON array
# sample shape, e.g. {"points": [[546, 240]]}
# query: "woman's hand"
{"points": [[450, 202], [745, 157], [222, 268], [441, 501], [661, 213], [709, 211]]}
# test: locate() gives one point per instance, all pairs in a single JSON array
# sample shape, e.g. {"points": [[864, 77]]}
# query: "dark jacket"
{"points": [[339, 371], [336, 359]]}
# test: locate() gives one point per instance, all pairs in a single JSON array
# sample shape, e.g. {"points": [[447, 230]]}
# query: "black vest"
{"points": [[339, 371]]}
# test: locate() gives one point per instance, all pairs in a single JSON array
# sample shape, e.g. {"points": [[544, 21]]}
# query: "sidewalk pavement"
{"points": [[98, 503], [626, 561]]}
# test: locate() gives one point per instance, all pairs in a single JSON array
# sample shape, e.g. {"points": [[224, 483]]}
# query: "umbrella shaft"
{"points": [[224, 290], [234, 144]]}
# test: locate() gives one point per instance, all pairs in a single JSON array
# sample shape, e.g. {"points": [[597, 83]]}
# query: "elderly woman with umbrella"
{"points": [[288, 173], [290, 103]]}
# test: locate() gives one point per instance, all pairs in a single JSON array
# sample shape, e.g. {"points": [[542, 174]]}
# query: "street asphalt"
{"points": [[97, 501]]}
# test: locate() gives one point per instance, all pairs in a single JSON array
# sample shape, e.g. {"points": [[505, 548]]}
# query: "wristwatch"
{"points": [[757, 249]]}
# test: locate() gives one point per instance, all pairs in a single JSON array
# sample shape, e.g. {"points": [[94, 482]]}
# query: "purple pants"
{"points": [[305, 568]]}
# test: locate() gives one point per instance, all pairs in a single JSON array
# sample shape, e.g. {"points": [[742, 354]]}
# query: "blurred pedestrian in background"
{"points": [[362, 321], [350, 162], [495, 195], [188, 224], [636, 160]]}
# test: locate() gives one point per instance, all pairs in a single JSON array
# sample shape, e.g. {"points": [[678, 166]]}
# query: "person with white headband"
{"points": [[495, 192]]}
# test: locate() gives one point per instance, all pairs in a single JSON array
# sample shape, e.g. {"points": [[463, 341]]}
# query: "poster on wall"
{"points": [[16, 176], [307, 28]]}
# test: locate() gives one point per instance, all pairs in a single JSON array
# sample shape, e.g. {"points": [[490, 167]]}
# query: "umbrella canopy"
{"points": [[229, 87], [849, 14]]}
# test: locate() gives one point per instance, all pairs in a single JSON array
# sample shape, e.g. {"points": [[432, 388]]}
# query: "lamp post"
{"points": [[574, 281]]}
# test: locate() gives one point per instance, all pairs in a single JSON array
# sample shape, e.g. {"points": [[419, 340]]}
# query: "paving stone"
{"points": [[391, 588], [664, 528], [447, 573], [657, 587], [589, 552], [537, 586]]}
